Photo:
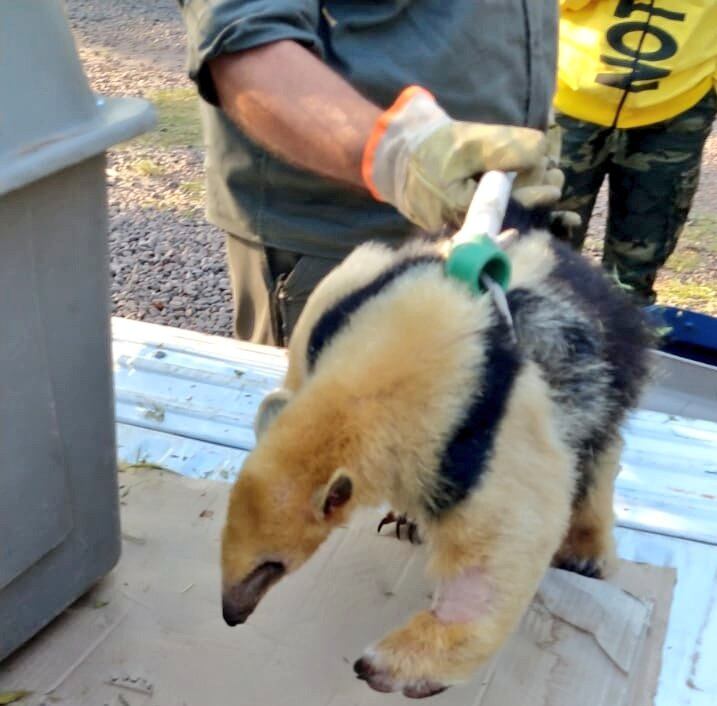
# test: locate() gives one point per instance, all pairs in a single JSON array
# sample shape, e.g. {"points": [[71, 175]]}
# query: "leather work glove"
{"points": [[540, 187], [426, 164], [564, 225]]}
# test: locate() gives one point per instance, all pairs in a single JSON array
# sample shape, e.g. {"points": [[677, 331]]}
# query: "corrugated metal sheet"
{"points": [[668, 481], [182, 386], [192, 386]]}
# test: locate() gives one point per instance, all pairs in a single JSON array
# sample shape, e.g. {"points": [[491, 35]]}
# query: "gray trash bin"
{"points": [[59, 524]]}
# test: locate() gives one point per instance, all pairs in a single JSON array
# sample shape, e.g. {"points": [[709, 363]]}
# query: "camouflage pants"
{"points": [[653, 173]]}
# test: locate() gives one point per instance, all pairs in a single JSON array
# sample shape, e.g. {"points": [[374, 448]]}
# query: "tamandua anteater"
{"points": [[501, 440]]}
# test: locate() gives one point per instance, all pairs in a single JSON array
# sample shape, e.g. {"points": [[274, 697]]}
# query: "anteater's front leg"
{"points": [[488, 554], [473, 613]]}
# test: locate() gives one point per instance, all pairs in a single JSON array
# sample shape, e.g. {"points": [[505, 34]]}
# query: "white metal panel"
{"points": [[197, 459], [207, 389], [668, 481], [194, 386]]}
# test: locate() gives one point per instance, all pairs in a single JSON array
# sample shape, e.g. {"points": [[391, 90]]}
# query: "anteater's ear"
{"points": [[336, 493], [270, 406]]}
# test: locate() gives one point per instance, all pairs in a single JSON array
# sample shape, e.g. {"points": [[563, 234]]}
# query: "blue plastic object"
{"points": [[685, 333]]}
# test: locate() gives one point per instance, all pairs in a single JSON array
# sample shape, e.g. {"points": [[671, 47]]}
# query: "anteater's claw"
{"points": [[387, 521], [400, 521]]}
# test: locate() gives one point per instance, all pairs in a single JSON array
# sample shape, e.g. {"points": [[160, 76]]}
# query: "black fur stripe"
{"points": [[627, 336], [570, 385], [469, 449], [525, 219], [335, 318]]}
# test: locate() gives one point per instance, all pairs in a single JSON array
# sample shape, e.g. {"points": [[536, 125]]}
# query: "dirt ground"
{"points": [[167, 262]]}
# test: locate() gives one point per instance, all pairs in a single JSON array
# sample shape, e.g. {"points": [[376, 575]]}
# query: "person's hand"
{"points": [[541, 187], [426, 164]]}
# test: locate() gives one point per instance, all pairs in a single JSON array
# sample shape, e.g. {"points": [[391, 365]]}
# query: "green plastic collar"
{"points": [[467, 262]]}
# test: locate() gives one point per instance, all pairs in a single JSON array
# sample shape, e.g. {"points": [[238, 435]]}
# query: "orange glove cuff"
{"points": [[379, 130]]}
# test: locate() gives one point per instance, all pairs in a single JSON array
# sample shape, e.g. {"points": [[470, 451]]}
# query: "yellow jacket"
{"points": [[635, 62]]}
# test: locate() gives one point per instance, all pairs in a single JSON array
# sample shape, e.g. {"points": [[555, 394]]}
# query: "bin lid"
{"points": [[49, 116]]}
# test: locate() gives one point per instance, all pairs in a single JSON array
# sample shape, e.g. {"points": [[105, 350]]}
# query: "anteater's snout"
{"points": [[233, 614], [240, 600]]}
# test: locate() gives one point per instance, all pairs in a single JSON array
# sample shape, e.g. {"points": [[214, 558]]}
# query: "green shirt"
{"points": [[485, 60]]}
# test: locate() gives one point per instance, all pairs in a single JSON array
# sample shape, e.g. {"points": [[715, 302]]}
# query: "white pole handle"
{"points": [[487, 210]]}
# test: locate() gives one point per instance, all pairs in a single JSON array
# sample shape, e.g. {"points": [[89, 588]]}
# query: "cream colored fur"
{"points": [[354, 272], [531, 260]]}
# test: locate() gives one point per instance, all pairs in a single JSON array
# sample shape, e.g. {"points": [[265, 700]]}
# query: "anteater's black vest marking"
{"points": [[525, 219], [468, 451], [616, 335], [335, 318], [469, 447], [610, 331], [566, 374]]}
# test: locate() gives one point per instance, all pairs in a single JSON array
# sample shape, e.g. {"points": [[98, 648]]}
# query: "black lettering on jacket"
{"points": [[641, 76]]}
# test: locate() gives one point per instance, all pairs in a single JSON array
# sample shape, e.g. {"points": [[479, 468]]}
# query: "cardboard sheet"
{"points": [[151, 634]]}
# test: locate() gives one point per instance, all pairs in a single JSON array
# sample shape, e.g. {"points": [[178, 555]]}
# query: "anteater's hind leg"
{"points": [[589, 546]]}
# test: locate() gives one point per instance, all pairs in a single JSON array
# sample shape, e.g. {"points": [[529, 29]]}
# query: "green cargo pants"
{"points": [[270, 288], [653, 173]]}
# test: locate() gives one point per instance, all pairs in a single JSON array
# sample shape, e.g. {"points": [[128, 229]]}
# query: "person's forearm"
{"points": [[290, 102]]}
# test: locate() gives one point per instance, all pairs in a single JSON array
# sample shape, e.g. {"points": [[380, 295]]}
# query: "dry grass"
{"points": [[688, 280]]}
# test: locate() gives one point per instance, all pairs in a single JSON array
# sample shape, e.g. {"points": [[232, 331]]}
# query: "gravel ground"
{"points": [[168, 263]]}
